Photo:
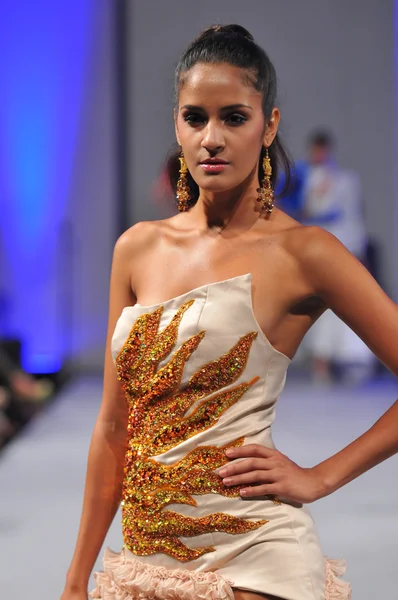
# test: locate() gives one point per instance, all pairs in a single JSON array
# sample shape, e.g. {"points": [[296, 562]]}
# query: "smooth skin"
{"points": [[297, 271]]}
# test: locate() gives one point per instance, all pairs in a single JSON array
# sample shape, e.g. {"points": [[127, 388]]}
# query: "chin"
{"points": [[216, 183]]}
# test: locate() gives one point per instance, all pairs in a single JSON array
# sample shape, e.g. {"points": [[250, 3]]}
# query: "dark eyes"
{"points": [[196, 119]]}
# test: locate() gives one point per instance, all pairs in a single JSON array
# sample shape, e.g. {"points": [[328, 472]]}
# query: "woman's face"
{"points": [[221, 127]]}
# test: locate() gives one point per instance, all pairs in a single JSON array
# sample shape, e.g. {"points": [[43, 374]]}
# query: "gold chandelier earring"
{"points": [[183, 191], [265, 192]]}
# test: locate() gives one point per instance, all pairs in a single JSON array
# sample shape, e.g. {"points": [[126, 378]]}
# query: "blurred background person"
{"points": [[329, 196], [21, 394]]}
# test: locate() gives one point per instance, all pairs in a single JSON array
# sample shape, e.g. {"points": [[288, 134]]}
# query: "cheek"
{"points": [[255, 135], [183, 127], [190, 138], [249, 145]]}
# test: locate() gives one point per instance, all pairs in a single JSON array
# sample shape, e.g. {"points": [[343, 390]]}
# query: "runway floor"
{"points": [[42, 477]]}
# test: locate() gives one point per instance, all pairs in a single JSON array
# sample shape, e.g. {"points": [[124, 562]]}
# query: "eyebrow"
{"points": [[229, 107]]}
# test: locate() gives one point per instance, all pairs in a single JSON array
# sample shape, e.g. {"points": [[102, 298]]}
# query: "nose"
{"points": [[213, 138]]}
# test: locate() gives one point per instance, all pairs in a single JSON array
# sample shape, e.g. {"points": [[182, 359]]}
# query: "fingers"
{"points": [[244, 466], [253, 477], [255, 450], [259, 472], [259, 490]]}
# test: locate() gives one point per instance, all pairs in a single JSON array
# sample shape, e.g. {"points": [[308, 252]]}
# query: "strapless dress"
{"points": [[199, 377]]}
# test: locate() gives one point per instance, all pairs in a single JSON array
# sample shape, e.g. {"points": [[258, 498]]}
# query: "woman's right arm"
{"points": [[104, 477]]}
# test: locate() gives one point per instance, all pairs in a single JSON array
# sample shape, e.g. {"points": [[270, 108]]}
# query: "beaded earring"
{"points": [[265, 192], [183, 191]]}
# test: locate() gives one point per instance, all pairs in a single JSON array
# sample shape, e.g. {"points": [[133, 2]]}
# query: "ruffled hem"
{"points": [[335, 588], [125, 578]]}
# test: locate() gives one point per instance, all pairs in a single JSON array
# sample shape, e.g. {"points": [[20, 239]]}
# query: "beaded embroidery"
{"points": [[158, 422]]}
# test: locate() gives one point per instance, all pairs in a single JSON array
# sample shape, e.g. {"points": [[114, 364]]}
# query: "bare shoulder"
{"points": [[286, 234], [138, 244], [139, 240], [327, 266], [348, 289], [309, 241], [136, 236], [313, 246], [319, 257]]}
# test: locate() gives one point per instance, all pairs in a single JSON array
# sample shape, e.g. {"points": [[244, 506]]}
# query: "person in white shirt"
{"points": [[331, 198]]}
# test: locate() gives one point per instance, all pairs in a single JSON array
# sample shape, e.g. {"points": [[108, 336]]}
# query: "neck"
{"points": [[234, 209]]}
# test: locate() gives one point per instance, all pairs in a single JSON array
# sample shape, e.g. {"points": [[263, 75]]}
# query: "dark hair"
{"points": [[234, 45], [321, 137]]}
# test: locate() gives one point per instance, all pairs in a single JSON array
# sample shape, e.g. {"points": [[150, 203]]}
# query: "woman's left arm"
{"points": [[350, 291]]}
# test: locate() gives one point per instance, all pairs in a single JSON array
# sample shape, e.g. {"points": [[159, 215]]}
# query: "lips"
{"points": [[213, 167], [213, 161]]}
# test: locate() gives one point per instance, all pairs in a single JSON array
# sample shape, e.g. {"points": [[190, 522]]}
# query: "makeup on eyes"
{"points": [[198, 118]]}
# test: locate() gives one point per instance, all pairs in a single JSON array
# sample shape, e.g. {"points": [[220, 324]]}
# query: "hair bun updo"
{"points": [[229, 29]]}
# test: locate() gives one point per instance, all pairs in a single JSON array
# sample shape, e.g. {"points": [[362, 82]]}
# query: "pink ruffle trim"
{"points": [[127, 579], [335, 588], [124, 578]]}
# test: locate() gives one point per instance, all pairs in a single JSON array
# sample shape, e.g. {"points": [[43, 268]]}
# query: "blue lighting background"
{"points": [[45, 54]]}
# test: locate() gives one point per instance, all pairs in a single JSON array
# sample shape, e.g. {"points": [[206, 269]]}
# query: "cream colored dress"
{"points": [[199, 377]]}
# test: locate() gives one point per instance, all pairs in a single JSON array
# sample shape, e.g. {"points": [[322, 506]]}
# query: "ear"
{"points": [[176, 126], [272, 127]]}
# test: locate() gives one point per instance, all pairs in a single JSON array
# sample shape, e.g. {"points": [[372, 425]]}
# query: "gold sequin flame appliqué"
{"points": [[158, 421]]}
